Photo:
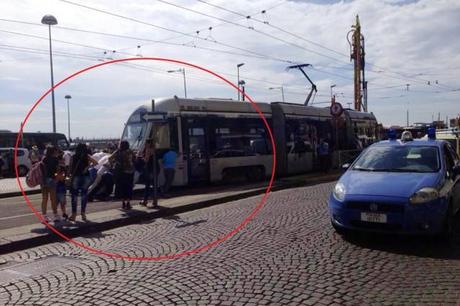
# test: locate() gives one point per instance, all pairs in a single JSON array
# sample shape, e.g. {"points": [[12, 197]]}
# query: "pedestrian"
{"points": [[34, 155], [123, 161], [10, 162], [102, 168], [48, 186], [2, 163], [148, 170], [323, 153], [169, 169], [67, 159], [79, 165], [61, 188]]}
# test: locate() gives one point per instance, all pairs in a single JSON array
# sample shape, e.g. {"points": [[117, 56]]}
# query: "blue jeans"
{"points": [[80, 184], [148, 178]]}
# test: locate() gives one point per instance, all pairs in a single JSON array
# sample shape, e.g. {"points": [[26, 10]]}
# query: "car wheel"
{"points": [[23, 170]]}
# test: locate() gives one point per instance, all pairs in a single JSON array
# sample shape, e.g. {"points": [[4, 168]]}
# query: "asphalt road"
{"points": [[14, 211], [287, 255]]}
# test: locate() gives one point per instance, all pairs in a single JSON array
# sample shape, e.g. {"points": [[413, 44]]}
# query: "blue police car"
{"points": [[402, 186]]}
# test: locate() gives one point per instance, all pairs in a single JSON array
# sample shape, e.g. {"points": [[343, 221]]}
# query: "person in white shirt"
{"points": [[103, 166]]}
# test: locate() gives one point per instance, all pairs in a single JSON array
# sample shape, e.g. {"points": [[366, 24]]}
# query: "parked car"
{"points": [[401, 186], [24, 163]]}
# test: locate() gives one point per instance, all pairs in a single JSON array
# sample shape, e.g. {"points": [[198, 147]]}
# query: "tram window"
{"points": [[301, 136], [238, 137], [163, 137]]}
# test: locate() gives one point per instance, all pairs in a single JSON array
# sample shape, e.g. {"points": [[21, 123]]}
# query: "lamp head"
{"points": [[49, 20], [68, 97]]}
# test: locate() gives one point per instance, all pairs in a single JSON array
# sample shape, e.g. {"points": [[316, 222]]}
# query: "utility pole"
{"points": [[357, 55], [68, 97], [154, 156], [407, 118], [242, 84], [238, 78]]}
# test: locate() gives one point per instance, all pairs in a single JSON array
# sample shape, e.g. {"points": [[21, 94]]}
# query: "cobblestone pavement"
{"points": [[288, 254]]}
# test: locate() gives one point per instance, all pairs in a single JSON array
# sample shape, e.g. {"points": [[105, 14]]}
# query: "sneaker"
{"points": [[83, 217], [46, 218], [56, 218], [73, 217], [65, 217]]}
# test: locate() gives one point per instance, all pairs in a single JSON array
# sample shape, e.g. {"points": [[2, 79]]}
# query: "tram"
{"points": [[218, 139]]}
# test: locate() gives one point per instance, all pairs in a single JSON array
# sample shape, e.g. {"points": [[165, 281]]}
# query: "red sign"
{"points": [[336, 109]]}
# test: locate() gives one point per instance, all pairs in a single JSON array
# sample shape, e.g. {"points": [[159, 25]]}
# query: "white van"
{"points": [[24, 163]]}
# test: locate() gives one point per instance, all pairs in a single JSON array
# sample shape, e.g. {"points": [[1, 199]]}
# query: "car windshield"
{"points": [[399, 159]]}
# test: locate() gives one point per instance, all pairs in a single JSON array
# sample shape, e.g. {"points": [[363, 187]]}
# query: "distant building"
{"points": [[439, 124]]}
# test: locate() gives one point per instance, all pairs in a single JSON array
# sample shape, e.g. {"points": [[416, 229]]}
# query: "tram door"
{"points": [[198, 158]]}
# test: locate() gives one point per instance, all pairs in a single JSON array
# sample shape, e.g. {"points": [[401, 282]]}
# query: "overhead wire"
{"points": [[130, 65], [190, 35], [172, 30], [251, 28], [406, 77], [155, 41]]}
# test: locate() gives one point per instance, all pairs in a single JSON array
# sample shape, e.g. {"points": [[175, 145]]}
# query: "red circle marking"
{"points": [[170, 256]]}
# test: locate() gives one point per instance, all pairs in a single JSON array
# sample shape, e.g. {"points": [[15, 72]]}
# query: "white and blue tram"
{"points": [[220, 139]]}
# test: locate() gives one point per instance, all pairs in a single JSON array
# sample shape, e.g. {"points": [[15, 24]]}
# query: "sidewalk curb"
{"points": [[18, 193], [137, 217]]}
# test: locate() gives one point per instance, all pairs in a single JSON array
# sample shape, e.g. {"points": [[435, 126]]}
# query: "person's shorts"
{"points": [[60, 197], [49, 183]]}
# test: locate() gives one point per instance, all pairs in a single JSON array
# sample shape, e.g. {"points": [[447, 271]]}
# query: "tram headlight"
{"points": [[339, 192]]}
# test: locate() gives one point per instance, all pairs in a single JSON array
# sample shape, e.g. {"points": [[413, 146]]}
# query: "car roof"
{"points": [[416, 142]]}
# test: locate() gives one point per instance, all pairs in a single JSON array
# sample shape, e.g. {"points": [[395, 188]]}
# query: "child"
{"points": [[61, 186]]}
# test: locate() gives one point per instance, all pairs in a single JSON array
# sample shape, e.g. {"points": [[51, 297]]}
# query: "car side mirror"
{"points": [[345, 166]]}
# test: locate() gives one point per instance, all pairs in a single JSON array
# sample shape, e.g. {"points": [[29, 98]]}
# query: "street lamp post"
{"points": [[282, 91], [332, 86], [242, 83], [51, 20], [238, 75], [68, 97], [183, 74]]}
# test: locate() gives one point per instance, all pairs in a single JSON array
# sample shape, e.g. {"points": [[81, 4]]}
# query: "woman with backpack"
{"points": [[123, 160], [48, 185], [80, 179]]}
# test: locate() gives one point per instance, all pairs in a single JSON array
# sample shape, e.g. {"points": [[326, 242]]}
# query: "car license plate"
{"points": [[373, 217]]}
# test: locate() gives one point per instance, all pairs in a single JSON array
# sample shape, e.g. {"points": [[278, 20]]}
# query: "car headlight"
{"points": [[424, 195], [339, 192]]}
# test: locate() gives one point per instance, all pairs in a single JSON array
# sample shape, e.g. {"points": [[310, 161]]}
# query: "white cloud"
{"points": [[407, 41]]}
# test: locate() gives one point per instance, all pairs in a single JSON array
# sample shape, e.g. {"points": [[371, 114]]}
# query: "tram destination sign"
{"points": [[157, 117]]}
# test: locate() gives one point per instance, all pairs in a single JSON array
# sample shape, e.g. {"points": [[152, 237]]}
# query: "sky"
{"points": [[412, 58]]}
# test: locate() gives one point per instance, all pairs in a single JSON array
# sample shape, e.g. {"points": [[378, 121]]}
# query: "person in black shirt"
{"points": [[123, 160], [80, 177], [48, 186], [148, 170]]}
